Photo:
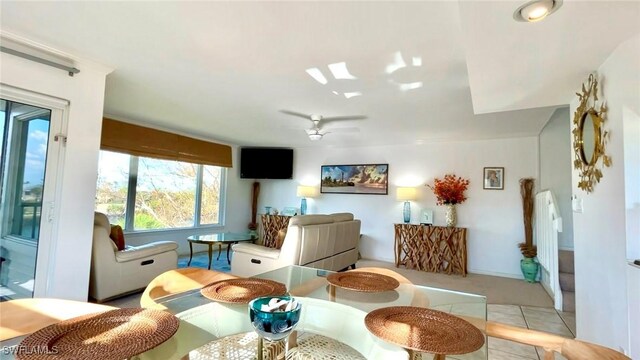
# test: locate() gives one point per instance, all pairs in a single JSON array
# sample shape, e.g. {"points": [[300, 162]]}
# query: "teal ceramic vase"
{"points": [[529, 269]]}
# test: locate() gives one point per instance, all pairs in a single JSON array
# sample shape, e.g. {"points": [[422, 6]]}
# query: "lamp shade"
{"points": [[406, 193], [306, 191]]}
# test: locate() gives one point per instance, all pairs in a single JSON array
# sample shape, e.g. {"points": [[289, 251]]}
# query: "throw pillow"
{"points": [[280, 238], [117, 236]]}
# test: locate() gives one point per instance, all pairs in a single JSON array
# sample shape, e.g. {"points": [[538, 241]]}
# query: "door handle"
{"points": [[50, 211]]}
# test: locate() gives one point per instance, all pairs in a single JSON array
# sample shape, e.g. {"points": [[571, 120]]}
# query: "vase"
{"points": [[529, 269], [406, 212], [451, 216]]}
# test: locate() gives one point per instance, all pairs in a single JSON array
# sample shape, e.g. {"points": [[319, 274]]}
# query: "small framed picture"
{"points": [[493, 178], [427, 217]]}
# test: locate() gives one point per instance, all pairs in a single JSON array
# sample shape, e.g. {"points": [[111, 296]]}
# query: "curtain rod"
{"points": [[70, 70]]}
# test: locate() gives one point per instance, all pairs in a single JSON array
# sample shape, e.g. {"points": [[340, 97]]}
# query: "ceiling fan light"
{"points": [[535, 13], [536, 10], [315, 137]]}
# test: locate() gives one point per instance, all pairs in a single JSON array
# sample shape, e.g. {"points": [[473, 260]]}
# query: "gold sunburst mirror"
{"points": [[589, 136]]}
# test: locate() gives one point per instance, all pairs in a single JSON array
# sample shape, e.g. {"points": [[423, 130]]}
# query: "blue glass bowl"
{"points": [[273, 326]]}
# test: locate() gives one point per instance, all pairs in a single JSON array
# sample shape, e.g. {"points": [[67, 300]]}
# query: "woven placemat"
{"points": [[242, 291], [363, 281], [116, 334], [424, 330]]}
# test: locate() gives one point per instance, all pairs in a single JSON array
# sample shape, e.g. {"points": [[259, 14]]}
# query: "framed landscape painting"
{"points": [[355, 179]]}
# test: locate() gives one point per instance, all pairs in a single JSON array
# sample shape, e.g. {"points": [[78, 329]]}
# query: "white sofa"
{"points": [[327, 242], [116, 272]]}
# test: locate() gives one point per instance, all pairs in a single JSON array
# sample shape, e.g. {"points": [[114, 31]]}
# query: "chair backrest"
{"points": [[177, 281], [576, 349], [101, 230], [569, 348], [24, 316]]}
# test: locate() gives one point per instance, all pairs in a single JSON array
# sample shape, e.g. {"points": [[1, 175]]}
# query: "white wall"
{"points": [[68, 275], [603, 285], [555, 169], [237, 214], [494, 217]]}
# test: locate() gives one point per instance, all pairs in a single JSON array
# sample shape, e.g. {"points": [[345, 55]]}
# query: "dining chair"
{"points": [[179, 280], [569, 348], [23, 316]]}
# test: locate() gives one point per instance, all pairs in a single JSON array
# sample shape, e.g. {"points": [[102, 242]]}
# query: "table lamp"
{"points": [[305, 192], [406, 194]]}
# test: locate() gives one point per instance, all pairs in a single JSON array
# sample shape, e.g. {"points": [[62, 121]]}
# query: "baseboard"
{"points": [[495, 273], [392, 260]]}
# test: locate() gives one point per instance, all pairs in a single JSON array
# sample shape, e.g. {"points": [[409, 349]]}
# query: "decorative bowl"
{"points": [[273, 326]]}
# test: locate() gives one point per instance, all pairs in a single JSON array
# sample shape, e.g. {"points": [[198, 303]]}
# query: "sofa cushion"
{"points": [[302, 220], [117, 236], [257, 250], [143, 251], [338, 217]]}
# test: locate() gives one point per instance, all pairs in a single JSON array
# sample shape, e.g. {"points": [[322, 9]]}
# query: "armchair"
{"points": [[116, 272]]}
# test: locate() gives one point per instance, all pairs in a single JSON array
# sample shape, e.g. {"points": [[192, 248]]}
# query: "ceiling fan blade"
{"points": [[342, 130], [295, 113], [339, 118]]}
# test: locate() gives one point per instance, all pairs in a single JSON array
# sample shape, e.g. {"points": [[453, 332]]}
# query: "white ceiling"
{"points": [[223, 70]]}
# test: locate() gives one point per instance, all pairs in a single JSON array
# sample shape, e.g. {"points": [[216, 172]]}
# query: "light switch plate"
{"points": [[576, 205]]}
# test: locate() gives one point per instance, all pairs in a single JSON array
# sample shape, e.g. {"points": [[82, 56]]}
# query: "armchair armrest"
{"points": [[257, 250], [142, 251]]}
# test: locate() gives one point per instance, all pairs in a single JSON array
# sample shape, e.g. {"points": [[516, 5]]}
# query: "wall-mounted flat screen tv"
{"points": [[266, 163]]}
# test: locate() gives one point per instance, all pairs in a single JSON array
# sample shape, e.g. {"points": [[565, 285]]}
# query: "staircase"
{"points": [[567, 280]]}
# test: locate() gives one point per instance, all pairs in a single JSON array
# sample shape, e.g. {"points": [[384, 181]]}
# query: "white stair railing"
{"points": [[547, 226]]}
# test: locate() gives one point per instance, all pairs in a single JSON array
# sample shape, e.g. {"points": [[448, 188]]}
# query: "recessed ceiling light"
{"points": [[317, 75], [349, 95], [398, 63], [340, 71], [536, 10]]}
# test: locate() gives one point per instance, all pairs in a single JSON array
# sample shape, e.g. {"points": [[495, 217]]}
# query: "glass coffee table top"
{"points": [[221, 237], [333, 312]]}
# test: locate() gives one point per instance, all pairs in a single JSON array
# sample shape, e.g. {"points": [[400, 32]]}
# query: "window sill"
{"points": [[174, 230]]}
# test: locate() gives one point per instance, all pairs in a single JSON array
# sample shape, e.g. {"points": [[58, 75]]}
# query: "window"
{"points": [[141, 193], [25, 137]]}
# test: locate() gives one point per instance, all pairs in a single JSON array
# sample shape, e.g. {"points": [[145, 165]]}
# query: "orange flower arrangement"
{"points": [[450, 190]]}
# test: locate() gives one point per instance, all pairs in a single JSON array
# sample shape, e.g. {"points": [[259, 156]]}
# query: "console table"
{"points": [[271, 224], [431, 248]]}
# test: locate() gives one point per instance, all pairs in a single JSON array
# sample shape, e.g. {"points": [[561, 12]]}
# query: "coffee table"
{"points": [[218, 238]]}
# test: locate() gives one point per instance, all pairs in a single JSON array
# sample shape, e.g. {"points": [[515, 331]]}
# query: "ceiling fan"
{"points": [[316, 132]]}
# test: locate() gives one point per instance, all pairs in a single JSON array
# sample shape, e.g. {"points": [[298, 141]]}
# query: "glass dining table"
{"points": [[332, 314]]}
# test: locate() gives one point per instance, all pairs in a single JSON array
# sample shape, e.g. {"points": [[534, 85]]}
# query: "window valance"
{"points": [[143, 141]]}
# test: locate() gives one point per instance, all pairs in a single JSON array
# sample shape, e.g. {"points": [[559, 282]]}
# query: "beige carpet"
{"points": [[498, 290]]}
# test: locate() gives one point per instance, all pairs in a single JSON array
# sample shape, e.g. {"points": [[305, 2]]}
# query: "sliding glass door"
{"points": [[27, 152]]}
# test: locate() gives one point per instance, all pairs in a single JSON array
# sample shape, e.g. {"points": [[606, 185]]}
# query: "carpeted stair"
{"points": [[567, 280]]}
